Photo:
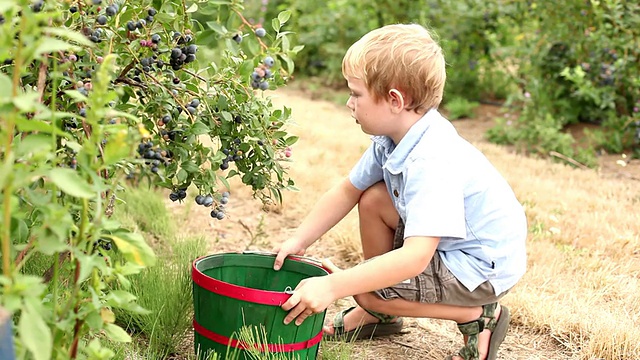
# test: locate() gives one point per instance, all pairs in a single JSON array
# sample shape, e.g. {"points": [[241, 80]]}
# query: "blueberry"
{"points": [[224, 165], [155, 38], [182, 194], [192, 49], [238, 119], [191, 110], [267, 73], [173, 197], [224, 200], [154, 169], [190, 58], [152, 12], [131, 25], [37, 6], [73, 9], [166, 119], [207, 201], [226, 194], [176, 81], [106, 245], [195, 103], [269, 61], [264, 85], [220, 215], [237, 38], [255, 76], [111, 10], [199, 199], [261, 32], [149, 19], [144, 62], [141, 23], [97, 2], [175, 53], [214, 213]]}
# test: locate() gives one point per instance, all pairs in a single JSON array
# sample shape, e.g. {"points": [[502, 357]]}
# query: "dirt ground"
{"points": [[250, 227]]}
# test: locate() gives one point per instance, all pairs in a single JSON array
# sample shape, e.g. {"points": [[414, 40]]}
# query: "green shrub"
{"points": [[459, 108]]}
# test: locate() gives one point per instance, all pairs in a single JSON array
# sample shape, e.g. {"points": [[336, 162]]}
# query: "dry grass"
{"points": [[584, 244]]}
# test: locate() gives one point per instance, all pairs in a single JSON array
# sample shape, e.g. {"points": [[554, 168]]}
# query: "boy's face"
{"points": [[373, 117]]}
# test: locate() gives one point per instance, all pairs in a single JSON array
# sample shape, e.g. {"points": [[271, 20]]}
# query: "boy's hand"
{"points": [[289, 247], [311, 296]]}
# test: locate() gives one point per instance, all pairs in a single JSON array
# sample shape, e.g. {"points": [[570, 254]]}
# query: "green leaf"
{"points": [[291, 140], [217, 27], [19, 231], [69, 35], [284, 16], [34, 333], [5, 88], [134, 248], [275, 24], [198, 128], [71, 183], [116, 333], [27, 101], [76, 95], [48, 45], [193, 8], [34, 143]]}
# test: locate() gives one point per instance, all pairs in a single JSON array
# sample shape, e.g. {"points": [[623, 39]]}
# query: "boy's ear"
{"points": [[396, 99]]}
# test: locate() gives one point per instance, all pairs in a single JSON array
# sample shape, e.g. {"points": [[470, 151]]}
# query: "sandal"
{"points": [[388, 325], [497, 327]]}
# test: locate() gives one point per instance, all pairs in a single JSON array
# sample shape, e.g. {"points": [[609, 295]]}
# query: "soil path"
{"points": [[329, 145]]}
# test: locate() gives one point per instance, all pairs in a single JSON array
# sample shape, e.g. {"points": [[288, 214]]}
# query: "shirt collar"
{"points": [[396, 155]]}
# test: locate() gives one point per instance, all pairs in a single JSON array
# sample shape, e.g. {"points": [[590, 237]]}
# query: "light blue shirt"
{"points": [[442, 186]]}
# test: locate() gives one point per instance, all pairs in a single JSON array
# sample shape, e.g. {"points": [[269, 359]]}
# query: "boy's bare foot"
{"points": [[483, 339], [353, 319]]}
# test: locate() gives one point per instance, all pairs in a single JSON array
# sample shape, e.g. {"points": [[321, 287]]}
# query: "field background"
{"points": [[578, 299]]}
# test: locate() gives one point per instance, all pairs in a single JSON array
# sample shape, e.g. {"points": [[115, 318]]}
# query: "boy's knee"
{"points": [[369, 301], [373, 197]]}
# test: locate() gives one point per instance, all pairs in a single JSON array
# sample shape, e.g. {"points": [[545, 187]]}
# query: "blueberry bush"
{"points": [[98, 94], [573, 66]]}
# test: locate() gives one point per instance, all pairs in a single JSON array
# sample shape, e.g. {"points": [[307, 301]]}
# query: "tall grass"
{"points": [[165, 290]]}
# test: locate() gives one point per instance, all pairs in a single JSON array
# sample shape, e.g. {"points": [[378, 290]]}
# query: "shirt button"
{"points": [[395, 193]]}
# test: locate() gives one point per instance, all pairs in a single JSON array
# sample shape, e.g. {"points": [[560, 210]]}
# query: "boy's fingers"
{"points": [[327, 263], [279, 260]]}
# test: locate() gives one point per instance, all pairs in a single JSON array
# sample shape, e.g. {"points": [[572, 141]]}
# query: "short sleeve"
{"points": [[368, 170], [434, 200]]}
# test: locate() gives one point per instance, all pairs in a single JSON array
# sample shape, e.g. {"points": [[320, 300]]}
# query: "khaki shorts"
{"points": [[436, 284]]}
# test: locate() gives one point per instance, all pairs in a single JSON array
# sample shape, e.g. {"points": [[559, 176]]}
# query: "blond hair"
{"points": [[402, 56]]}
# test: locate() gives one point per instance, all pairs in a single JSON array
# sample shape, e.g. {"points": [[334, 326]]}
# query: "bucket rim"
{"points": [[238, 292]]}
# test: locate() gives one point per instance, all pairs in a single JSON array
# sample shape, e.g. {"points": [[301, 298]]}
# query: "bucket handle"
{"points": [[307, 259]]}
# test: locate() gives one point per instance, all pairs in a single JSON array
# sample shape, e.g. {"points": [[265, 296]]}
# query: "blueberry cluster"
{"points": [[207, 200], [141, 23], [103, 243], [232, 153], [179, 194], [261, 73], [154, 156], [182, 55]]}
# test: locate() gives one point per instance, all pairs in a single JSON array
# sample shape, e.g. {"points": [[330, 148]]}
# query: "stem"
{"points": [[9, 127], [250, 27]]}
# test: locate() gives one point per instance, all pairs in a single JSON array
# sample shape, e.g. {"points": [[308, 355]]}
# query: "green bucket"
{"points": [[234, 291]]}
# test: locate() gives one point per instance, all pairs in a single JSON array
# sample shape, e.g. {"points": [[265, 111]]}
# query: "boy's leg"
{"points": [[378, 221]]}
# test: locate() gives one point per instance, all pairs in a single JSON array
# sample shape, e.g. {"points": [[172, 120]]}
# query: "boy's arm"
{"points": [[334, 205], [315, 294], [386, 270]]}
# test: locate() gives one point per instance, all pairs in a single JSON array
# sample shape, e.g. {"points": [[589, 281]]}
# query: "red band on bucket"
{"points": [[237, 292], [221, 339]]}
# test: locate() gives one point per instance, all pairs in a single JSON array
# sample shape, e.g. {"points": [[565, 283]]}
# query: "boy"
{"points": [[443, 235]]}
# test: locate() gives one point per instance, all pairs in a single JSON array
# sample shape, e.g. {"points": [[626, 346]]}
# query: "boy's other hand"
{"points": [[311, 296], [289, 247]]}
